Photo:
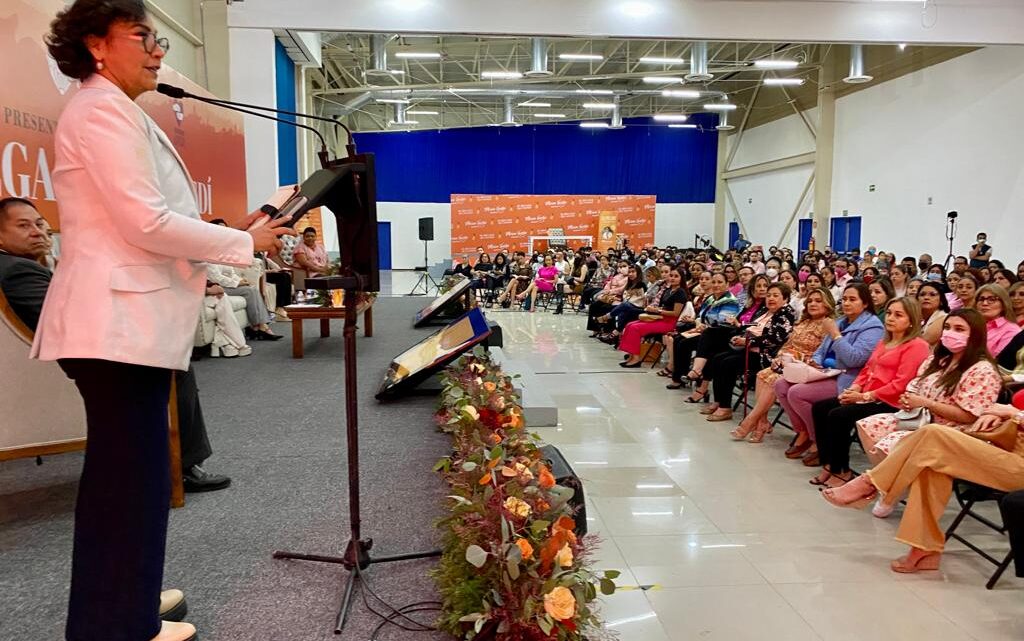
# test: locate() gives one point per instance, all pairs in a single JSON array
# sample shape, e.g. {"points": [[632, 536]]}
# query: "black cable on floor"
{"points": [[396, 613]]}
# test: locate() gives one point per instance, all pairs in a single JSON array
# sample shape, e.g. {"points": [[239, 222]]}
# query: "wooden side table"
{"points": [[299, 313]]}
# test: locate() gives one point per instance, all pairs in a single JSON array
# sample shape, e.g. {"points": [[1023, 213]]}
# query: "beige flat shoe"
{"points": [[173, 606], [172, 631]]}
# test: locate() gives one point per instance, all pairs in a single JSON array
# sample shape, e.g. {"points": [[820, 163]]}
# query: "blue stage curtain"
{"points": [[676, 165]]}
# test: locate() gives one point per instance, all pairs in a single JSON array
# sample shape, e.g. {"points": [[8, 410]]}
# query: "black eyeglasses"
{"points": [[986, 299], [150, 41]]}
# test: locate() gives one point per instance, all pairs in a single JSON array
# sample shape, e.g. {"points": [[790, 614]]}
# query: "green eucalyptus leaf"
{"points": [[476, 556], [607, 587]]}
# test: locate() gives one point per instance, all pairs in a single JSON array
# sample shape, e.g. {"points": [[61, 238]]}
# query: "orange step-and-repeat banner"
{"points": [[33, 93], [508, 221]]}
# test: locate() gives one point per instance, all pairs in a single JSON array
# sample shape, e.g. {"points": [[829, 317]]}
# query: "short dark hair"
{"points": [[864, 294], [308, 229], [219, 221], [6, 203], [68, 31]]}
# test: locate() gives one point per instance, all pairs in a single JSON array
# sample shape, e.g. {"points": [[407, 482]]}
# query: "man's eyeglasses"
{"points": [[150, 41]]}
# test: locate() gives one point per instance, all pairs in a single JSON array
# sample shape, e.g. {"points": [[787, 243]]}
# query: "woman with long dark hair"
{"points": [[934, 308]]}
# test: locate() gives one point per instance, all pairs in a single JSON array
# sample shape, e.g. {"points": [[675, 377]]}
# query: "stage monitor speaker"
{"points": [[433, 353], [565, 477], [426, 229]]}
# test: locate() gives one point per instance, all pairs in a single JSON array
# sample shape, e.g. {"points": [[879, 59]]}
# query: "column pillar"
{"points": [[824, 144], [720, 234]]}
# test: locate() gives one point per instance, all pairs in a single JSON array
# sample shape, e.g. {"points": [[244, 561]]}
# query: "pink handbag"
{"points": [[796, 372]]}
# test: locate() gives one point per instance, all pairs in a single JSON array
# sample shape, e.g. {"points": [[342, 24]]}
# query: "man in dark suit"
{"points": [[24, 282]]}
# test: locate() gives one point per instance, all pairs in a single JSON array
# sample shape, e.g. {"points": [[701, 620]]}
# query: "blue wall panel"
{"points": [[676, 165], [287, 141]]}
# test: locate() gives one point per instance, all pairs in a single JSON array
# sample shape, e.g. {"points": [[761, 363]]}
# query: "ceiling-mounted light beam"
{"points": [[670, 117], [680, 93], [580, 56], [784, 81], [501, 75], [776, 64], [655, 60], [662, 80]]}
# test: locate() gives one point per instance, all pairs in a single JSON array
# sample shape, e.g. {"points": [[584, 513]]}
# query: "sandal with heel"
{"points": [[697, 396]]}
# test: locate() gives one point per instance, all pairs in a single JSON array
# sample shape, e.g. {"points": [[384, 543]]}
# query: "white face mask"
{"points": [[771, 272]]}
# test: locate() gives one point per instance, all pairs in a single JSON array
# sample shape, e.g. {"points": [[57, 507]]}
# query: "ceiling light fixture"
{"points": [[654, 60], [418, 54], [599, 92], [902, 46], [543, 115], [598, 105], [720, 106], [597, 77], [662, 80], [501, 75], [535, 104], [594, 125], [422, 113], [580, 56], [784, 81], [682, 126], [680, 93], [670, 117], [776, 64]]}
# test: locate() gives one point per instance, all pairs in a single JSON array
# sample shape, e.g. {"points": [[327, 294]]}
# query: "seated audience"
{"points": [[994, 304], [1016, 293], [1003, 277], [923, 469], [934, 309], [954, 386], [877, 389], [846, 347], [718, 310], [281, 278], [634, 300], [597, 281], [732, 279], [234, 284], [499, 274], [311, 255], [966, 290], [913, 286], [803, 342], [657, 319], [573, 282], [881, 293], [520, 275], [788, 278], [750, 352], [480, 274], [607, 298], [25, 282], [900, 279], [715, 340]]}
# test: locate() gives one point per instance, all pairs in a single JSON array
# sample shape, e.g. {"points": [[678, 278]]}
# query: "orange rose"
{"points": [[490, 387], [495, 438], [564, 556], [525, 547], [546, 479], [560, 603], [518, 506]]}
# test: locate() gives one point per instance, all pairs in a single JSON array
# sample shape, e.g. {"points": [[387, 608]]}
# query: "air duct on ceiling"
{"points": [[616, 115], [378, 56], [857, 75], [723, 122], [699, 63], [354, 104], [509, 120], [399, 114], [538, 58]]}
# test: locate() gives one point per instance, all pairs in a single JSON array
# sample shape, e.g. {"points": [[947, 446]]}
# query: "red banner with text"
{"points": [[511, 221], [33, 93]]}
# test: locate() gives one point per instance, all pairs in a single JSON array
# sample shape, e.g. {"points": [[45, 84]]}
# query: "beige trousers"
{"points": [[925, 463], [228, 331]]}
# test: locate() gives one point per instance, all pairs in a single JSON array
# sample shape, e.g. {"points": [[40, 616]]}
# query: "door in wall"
{"points": [[383, 245], [804, 232], [844, 234], [734, 234]]}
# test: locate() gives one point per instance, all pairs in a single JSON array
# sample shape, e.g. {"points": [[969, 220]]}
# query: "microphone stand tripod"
{"points": [[426, 281], [950, 235], [357, 551]]}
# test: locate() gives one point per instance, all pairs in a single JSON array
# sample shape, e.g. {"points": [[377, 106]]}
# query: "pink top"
{"points": [[315, 256], [546, 278], [889, 370], [954, 302], [736, 288], [1000, 333]]}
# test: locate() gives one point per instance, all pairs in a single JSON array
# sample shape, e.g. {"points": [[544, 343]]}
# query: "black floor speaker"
{"points": [[495, 339], [565, 477]]}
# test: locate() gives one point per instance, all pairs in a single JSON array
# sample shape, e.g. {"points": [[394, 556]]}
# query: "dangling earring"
{"points": [[99, 65]]}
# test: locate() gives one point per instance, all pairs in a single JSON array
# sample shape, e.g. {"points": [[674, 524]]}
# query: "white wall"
{"points": [[677, 223], [252, 80], [951, 133]]}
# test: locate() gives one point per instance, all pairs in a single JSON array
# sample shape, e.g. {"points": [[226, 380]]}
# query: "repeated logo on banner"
{"points": [[33, 92], [499, 221]]}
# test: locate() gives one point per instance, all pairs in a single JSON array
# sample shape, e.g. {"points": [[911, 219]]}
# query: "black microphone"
{"points": [[178, 92]]}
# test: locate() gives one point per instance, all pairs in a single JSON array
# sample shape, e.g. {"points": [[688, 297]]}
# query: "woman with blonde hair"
{"points": [[1001, 321], [876, 390]]}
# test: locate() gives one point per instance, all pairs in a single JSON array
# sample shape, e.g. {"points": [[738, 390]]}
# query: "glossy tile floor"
{"points": [[726, 540]]}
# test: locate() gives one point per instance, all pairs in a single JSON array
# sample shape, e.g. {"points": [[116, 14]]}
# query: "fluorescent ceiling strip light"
{"points": [[598, 105], [678, 126], [535, 104], [670, 117], [580, 56], [653, 486], [501, 75], [784, 81], [597, 77], [546, 115], [662, 80], [422, 113], [680, 93], [776, 64], [594, 125], [393, 101], [600, 92], [720, 106], [662, 61], [418, 54]]}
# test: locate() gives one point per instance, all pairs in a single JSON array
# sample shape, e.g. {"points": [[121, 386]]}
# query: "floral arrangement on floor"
{"points": [[513, 568]]}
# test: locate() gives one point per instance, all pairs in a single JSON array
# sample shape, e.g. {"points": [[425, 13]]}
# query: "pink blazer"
{"points": [[130, 283]]}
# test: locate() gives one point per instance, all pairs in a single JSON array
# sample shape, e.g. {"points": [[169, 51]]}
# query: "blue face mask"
{"points": [[934, 277]]}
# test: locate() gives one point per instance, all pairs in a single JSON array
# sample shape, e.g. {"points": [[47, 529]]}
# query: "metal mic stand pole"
{"points": [[425, 280], [950, 235], [357, 552]]}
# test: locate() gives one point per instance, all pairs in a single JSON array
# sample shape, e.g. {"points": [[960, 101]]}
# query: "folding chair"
{"points": [[967, 494]]}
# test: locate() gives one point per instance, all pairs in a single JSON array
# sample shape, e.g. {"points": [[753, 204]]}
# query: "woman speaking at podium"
{"points": [[122, 309]]}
